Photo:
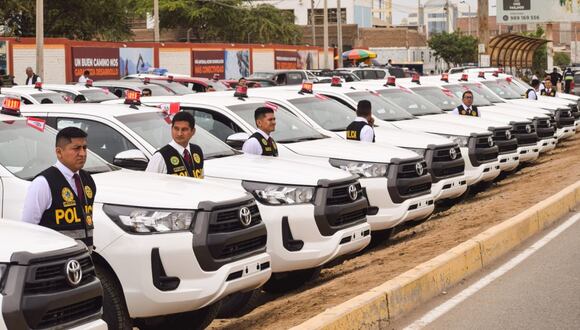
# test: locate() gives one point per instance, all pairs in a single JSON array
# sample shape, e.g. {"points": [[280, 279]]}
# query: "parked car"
{"points": [[367, 73], [119, 87], [285, 77], [79, 93], [35, 95]]}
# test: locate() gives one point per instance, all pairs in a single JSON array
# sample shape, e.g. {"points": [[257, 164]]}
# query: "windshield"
{"points": [[328, 113], [521, 86], [267, 75], [175, 87], [25, 151], [156, 90], [220, 86], [500, 88], [485, 92], [443, 99], [410, 101], [152, 127], [47, 98], [478, 99], [382, 108], [288, 127], [98, 95]]}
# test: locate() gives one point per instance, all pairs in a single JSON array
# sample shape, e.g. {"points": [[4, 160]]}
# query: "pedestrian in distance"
{"points": [[261, 143], [85, 76], [532, 93], [31, 77], [61, 197], [568, 78], [555, 77], [361, 129], [180, 156], [466, 108]]}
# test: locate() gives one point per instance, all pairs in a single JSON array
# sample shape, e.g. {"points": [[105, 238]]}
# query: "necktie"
{"points": [[79, 186], [187, 158]]}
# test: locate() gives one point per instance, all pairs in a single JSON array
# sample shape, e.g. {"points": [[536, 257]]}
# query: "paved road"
{"points": [[541, 292]]}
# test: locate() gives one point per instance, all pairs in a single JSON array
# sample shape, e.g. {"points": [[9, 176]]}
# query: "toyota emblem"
{"points": [[490, 141], [548, 123], [508, 135], [528, 129], [73, 272], [245, 216], [419, 169], [352, 192], [452, 153]]}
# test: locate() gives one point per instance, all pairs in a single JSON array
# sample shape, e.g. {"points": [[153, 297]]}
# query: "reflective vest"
{"points": [[68, 214], [269, 147], [176, 165]]}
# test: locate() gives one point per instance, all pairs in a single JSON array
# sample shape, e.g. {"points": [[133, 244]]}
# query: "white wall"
{"points": [[301, 7], [401, 55], [175, 60], [262, 60], [54, 63]]}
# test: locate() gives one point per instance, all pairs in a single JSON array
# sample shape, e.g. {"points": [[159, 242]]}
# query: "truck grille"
{"points": [[340, 195], [70, 313], [228, 221], [50, 277], [350, 217], [406, 181], [481, 151], [525, 133], [505, 145], [564, 118], [444, 162], [545, 128], [243, 247]]}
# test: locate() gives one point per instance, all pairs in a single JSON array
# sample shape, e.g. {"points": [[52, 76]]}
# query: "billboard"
{"points": [[237, 63], [537, 11], [285, 59], [307, 59], [3, 58], [103, 63], [135, 60], [206, 63]]}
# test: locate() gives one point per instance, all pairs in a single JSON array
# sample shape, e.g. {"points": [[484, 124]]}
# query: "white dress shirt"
{"points": [[83, 79], [366, 133], [29, 80], [532, 95], [38, 197], [252, 145], [157, 163]]}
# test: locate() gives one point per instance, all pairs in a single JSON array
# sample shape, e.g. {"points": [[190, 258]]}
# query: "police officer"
{"points": [[61, 197], [179, 157], [532, 93], [361, 129], [568, 78], [466, 108], [548, 90], [261, 143]]}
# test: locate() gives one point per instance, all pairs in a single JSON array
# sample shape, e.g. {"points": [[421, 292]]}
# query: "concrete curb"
{"points": [[376, 307]]}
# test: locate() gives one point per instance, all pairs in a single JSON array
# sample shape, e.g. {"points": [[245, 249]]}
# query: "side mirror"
{"points": [[237, 140], [131, 159]]}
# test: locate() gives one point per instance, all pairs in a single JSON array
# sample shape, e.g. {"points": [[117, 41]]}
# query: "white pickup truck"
{"points": [[167, 249], [47, 280]]}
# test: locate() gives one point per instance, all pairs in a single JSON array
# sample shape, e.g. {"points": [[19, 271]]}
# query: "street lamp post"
{"points": [[40, 38]]}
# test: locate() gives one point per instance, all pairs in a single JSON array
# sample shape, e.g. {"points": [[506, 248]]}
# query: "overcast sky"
{"points": [[401, 8]]}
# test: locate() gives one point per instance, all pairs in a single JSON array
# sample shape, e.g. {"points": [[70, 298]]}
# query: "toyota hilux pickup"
{"points": [[166, 249], [477, 145], [47, 280], [78, 93]]}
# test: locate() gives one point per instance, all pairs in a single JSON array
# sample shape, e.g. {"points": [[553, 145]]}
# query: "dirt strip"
{"points": [[549, 174]]}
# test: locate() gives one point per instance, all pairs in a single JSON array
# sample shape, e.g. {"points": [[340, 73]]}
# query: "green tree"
{"points": [[561, 59], [84, 20], [454, 48]]}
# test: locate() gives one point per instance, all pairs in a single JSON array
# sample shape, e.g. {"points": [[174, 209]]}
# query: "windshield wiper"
{"points": [[338, 129]]}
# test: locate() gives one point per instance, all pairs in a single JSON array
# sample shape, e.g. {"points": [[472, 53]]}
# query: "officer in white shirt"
{"points": [[532, 93], [61, 197], [261, 143], [466, 108], [179, 157], [83, 79], [361, 129]]}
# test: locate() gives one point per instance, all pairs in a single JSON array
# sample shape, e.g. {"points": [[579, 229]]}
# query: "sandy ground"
{"points": [[549, 174]]}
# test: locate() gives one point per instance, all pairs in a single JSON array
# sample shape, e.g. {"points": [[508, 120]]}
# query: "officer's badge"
{"points": [[463, 112], [88, 192], [67, 195], [174, 160], [264, 142], [473, 113], [274, 145], [196, 158], [89, 220]]}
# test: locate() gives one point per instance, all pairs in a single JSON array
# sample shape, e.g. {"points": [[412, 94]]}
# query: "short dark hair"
{"points": [[261, 112], [363, 108], [66, 135], [184, 116], [465, 93], [242, 79], [535, 83], [87, 72]]}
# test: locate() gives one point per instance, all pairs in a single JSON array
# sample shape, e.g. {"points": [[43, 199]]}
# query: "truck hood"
{"points": [[17, 236], [535, 112], [125, 187], [271, 170], [351, 150], [481, 123], [535, 104], [556, 101], [405, 138], [437, 127]]}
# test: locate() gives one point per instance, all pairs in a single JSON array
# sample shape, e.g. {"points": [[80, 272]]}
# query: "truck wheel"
{"points": [[288, 281], [115, 312], [239, 303], [195, 320]]}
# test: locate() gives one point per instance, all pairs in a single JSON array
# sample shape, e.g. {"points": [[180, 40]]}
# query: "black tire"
{"points": [[381, 237], [195, 320], [288, 281], [115, 312], [239, 304]]}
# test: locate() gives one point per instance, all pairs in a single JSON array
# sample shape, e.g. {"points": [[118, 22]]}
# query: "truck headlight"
{"points": [[3, 273], [139, 220], [419, 151], [362, 169], [462, 141], [273, 194]]}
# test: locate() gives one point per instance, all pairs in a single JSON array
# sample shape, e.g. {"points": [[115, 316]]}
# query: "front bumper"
{"points": [[132, 259], [449, 188], [547, 145], [508, 162], [384, 213], [484, 172], [565, 132], [94, 325], [528, 153], [295, 241]]}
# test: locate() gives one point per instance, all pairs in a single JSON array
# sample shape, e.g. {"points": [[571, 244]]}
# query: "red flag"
{"points": [[320, 96], [271, 105], [171, 108], [36, 123], [405, 89], [447, 92]]}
